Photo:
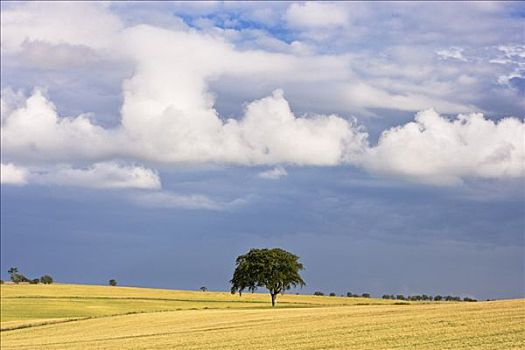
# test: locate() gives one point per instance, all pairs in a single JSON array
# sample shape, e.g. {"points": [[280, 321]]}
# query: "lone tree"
{"points": [[112, 282], [275, 269]]}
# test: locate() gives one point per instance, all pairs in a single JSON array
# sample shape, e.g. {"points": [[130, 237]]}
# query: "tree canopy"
{"points": [[275, 269]]}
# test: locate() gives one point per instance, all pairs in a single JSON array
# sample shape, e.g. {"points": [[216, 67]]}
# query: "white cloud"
{"points": [[86, 24], [10, 174], [513, 51], [272, 134], [452, 53], [168, 199], [48, 56], [366, 94], [316, 15], [434, 149], [299, 72], [9, 101], [273, 174], [101, 176], [430, 149], [168, 113], [35, 132]]}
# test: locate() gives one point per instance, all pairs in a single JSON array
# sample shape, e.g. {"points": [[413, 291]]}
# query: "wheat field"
{"points": [[98, 317]]}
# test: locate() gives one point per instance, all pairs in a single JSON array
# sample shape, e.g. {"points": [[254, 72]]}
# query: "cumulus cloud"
{"points": [[513, 51], [300, 72], [169, 116], [316, 15], [274, 135], [85, 24], [273, 174], [439, 150], [431, 149], [9, 101], [363, 93], [10, 174], [452, 53], [101, 176], [35, 132], [48, 56]]}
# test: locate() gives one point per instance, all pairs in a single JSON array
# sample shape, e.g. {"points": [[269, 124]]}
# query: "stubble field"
{"points": [[99, 317]]}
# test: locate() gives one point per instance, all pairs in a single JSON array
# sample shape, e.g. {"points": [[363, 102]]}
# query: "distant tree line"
{"points": [[422, 297], [349, 294], [17, 277], [425, 297]]}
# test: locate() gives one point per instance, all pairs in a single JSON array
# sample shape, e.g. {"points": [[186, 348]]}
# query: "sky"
{"points": [[154, 142]]}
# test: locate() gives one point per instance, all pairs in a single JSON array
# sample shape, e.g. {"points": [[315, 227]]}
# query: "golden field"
{"points": [[99, 317]]}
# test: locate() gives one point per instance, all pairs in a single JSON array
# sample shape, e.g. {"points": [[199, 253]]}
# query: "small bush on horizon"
{"points": [[46, 279]]}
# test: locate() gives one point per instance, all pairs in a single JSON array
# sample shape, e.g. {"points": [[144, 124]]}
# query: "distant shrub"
{"points": [[318, 293], [203, 288], [34, 281], [365, 295], [349, 294], [400, 297], [332, 294], [438, 298], [469, 299], [17, 277], [112, 282], [46, 279]]}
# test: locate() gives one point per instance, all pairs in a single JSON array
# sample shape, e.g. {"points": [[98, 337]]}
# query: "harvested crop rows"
{"points": [[99, 317]]}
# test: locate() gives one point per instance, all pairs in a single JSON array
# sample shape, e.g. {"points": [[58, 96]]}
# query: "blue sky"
{"points": [[154, 142]]}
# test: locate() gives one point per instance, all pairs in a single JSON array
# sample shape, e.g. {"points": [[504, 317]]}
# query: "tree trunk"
{"points": [[273, 299]]}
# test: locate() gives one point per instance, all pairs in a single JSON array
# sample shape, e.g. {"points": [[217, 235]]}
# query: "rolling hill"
{"points": [[85, 317]]}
